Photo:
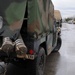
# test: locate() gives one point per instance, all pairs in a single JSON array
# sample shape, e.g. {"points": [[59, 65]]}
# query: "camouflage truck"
{"points": [[28, 33]]}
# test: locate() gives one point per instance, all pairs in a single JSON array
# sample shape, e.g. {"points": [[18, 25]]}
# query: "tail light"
{"points": [[31, 52]]}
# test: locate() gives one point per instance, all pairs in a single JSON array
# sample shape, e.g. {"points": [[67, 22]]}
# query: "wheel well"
{"points": [[59, 40], [44, 46]]}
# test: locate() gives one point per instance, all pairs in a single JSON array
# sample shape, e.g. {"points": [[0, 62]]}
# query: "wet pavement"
{"points": [[60, 63], [63, 62]]}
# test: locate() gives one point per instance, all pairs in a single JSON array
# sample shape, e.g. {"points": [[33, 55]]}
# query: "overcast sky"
{"points": [[67, 7]]}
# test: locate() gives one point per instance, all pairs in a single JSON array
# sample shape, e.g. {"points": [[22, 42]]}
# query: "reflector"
{"points": [[31, 51]]}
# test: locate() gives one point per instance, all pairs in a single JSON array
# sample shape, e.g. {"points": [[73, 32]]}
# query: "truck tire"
{"points": [[36, 66], [59, 33], [59, 42], [40, 61]]}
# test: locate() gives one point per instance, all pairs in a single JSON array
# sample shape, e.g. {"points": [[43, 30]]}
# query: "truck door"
{"points": [[54, 34], [50, 23], [50, 37]]}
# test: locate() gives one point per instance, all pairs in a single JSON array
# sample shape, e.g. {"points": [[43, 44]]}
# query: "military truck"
{"points": [[58, 20], [28, 33]]}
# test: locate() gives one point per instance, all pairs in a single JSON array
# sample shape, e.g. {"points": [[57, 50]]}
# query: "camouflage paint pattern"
{"points": [[39, 15], [12, 12]]}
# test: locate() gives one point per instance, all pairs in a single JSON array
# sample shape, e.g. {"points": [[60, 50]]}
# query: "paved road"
{"points": [[61, 63]]}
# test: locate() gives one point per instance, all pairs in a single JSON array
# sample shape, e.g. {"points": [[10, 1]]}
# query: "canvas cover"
{"points": [[57, 15], [12, 12], [39, 15]]}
